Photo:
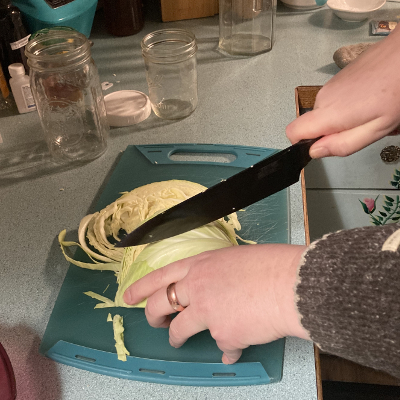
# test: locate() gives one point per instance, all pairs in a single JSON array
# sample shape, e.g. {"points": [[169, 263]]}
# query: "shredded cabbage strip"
{"points": [[98, 232]]}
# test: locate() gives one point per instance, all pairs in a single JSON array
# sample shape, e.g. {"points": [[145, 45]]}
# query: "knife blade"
{"points": [[253, 184]]}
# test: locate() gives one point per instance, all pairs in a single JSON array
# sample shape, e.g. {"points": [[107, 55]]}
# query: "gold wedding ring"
{"points": [[173, 299]]}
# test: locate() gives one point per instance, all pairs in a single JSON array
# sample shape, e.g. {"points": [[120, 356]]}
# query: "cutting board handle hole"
{"points": [[152, 371], [86, 359], [223, 374], [224, 158]]}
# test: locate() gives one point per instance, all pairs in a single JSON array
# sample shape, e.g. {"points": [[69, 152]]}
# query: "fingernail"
{"points": [[127, 297], [319, 152]]}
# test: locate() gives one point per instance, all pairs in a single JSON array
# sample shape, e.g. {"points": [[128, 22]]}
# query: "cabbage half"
{"points": [[97, 233]]}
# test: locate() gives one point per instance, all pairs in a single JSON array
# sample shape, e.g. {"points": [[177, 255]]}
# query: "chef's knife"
{"points": [[261, 180]]}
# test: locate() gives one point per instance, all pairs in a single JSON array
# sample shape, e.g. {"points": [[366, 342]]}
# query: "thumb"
{"points": [[231, 356]]}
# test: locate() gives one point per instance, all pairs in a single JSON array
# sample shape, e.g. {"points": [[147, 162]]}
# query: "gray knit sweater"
{"points": [[348, 295]]}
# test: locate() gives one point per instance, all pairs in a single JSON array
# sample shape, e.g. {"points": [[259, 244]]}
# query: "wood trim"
{"points": [[329, 367], [176, 10], [318, 372], [305, 210], [308, 102], [305, 97], [338, 369], [317, 359]]}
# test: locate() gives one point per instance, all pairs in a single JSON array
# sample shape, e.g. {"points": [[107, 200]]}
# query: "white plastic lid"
{"points": [[127, 107], [16, 69]]}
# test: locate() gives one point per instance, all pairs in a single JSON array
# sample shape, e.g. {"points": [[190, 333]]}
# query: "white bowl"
{"points": [[355, 10]]}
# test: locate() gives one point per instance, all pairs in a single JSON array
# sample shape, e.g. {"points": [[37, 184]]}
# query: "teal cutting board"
{"points": [[79, 335]]}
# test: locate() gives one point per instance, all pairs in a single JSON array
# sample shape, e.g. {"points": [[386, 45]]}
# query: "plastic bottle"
{"points": [[13, 37], [21, 88]]}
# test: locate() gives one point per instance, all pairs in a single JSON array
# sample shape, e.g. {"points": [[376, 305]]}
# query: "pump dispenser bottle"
{"points": [[21, 88]]}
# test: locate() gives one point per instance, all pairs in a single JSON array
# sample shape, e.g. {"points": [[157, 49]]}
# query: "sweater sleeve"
{"points": [[348, 295]]}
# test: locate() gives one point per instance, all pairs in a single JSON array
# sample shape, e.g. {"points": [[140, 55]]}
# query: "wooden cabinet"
{"points": [[362, 170], [175, 10], [354, 191], [333, 191], [336, 209]]}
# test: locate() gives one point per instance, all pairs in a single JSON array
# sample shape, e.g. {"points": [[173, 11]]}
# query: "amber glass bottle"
{"points": [[13, 37], [123, 17]]}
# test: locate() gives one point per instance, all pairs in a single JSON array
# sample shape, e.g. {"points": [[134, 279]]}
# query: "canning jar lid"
{"points": [[127, 107]]}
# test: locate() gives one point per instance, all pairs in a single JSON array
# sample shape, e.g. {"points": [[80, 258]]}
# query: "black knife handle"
{"points": [[304, 146]]}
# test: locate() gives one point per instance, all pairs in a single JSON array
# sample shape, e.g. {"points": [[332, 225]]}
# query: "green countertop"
{"points": [[242, 101]]}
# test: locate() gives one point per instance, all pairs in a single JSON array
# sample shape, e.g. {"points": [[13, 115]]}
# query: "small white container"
{"points": [[21, 88], [355, 10]]}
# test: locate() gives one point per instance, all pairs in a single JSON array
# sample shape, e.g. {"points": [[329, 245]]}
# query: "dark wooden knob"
{"points": [[390, 154]]}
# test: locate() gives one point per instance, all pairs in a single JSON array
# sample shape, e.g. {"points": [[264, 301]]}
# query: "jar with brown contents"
{"points": [[66, 87]]}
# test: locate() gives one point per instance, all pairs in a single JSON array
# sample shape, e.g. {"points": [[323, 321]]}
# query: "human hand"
{"points": [[358, 106], [244, 295]]}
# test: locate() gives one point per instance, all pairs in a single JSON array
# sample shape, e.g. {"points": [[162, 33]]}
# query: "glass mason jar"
{"points": [[246, 27], [171, 72], [69, 99]]}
